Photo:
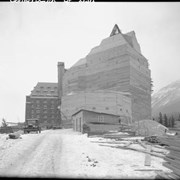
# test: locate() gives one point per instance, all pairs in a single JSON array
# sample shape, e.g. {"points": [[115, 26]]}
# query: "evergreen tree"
{"points": [[160, 118], [179, 118], [165, 120], [169, 122], [172, 121]]}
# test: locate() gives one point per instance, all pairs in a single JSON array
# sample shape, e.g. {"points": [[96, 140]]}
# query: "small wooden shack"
{"points": [[96, 121]]}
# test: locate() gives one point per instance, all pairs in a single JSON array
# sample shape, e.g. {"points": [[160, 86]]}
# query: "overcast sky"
{"points": [[35, 36]]}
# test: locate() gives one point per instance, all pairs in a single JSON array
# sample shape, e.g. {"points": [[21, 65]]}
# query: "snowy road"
{"points": [[37, 155], [65, 153]]}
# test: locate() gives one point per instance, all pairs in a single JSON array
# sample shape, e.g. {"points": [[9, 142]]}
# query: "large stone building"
{"points": [[113, 78], [116, 65], [43, 104]]}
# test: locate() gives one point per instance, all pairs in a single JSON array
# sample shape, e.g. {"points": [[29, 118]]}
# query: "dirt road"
{"points": [[33, 155]]}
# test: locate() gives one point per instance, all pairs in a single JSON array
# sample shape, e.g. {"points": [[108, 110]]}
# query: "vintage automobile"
{"points": [[32, 125]]}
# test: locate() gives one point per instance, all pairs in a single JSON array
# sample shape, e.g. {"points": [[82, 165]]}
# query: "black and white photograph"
{"points": [[89, 90]]}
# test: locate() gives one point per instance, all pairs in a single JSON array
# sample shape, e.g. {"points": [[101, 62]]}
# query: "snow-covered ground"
{"points": [[65, 153]]}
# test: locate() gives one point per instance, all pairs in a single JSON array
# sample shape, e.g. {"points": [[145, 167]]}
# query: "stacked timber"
{"points": [[173, 158]]}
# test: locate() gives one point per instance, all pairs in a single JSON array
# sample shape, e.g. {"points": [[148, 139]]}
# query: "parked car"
{"points": [[32, 125]]}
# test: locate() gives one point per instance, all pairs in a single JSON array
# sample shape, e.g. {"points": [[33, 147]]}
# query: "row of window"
{"points": [[42, 87], [107, 108], [45, 106], [44, 117], [44, 101], [44, 111], [38, 91]]}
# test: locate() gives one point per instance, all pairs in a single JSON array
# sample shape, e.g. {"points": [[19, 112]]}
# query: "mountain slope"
{"points": [[167, 99]]}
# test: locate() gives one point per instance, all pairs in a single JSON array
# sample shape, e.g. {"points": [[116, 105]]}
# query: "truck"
{"points": [[32, 125]]}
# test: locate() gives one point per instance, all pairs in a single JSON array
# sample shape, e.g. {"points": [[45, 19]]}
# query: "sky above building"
{"points": [[35, 36]]}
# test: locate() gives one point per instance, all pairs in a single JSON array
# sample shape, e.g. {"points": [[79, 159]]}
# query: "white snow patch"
{"points": [[81, 156]]}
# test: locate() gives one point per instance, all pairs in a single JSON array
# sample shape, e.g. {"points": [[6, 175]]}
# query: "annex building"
{"points": [[43, 104]]}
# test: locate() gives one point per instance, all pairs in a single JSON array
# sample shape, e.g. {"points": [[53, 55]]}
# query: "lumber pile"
{"points": [[173, 158]]}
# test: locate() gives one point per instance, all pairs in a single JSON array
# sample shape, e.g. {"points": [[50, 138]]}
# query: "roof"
{"points": [[80, 62], [45, 89], [116, 38], [93, 112], [115, 30]]}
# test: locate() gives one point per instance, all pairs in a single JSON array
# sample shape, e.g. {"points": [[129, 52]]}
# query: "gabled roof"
{"points": [[45, 89], [93, 112], [117, 38], [115, 30]]}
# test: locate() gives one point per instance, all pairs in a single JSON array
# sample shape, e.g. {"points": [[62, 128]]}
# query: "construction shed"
{"points": [[97, 121]]}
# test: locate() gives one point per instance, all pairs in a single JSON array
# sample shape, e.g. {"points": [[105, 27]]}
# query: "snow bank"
{"points": [[149, 128], [81, 158]]}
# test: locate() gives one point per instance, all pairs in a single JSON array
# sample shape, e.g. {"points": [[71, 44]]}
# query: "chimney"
{"points": [[60, 78]]}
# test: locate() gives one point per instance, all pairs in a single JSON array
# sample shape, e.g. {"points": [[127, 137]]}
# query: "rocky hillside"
{"points": [[167, 99]]}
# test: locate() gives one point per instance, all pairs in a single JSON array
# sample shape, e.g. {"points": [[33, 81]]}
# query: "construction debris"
{"points": [[147, 161], [152, 139], [173, 158], [15, 135]]}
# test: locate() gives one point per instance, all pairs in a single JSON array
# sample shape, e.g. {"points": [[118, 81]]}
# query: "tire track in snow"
{"points": [[41, 160]]}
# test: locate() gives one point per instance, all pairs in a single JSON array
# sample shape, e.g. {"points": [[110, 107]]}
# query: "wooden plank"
{"points": [[148, 170], [171, 143], [164, 175], [174, 162], [142, 144], [174, 169], [147, 161], [174, 153], [172, 156], [173, 148], [138, 150]]}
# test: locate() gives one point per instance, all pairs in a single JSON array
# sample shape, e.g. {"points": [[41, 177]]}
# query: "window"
{"points": [[120, 109], [107, 108], [37, 111], [45, 106], [101, 118]]}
